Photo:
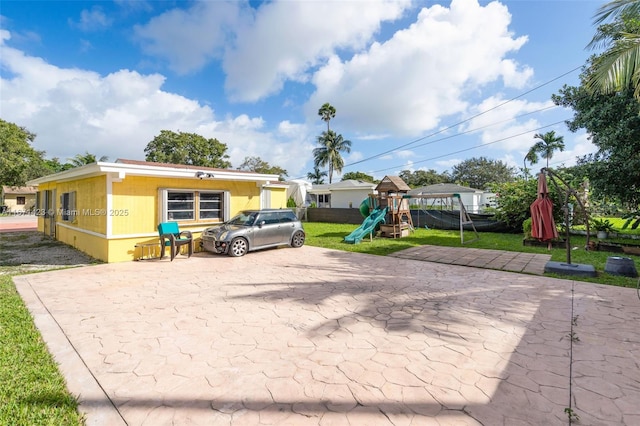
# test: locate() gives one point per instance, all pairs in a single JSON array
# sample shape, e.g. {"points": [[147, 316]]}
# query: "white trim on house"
{"points": [[121, 170]]}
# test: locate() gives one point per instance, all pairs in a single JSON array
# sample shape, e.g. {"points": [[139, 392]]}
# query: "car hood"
{"points": [[223, 228]]}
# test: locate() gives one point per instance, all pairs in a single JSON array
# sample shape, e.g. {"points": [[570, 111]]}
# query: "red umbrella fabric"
{"points": [[543, 227]]}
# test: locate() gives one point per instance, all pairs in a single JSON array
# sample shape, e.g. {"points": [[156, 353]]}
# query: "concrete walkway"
{"points": [[321, 337], [529, 263]]}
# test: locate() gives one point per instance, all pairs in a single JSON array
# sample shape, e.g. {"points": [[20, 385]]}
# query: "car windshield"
{"points": [[244, 219]]}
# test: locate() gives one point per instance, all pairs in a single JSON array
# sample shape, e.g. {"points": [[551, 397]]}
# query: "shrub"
{"points": [[526, 228]]}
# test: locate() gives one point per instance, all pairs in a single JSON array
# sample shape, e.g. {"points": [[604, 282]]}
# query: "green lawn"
{"points": [[32, 390], [331, 235]]}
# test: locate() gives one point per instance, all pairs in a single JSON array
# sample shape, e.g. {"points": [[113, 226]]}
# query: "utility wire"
{"points": [[465, 120], [475, 147]]}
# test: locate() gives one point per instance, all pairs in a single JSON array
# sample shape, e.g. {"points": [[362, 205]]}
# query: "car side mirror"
{"points": [[262, 222]]}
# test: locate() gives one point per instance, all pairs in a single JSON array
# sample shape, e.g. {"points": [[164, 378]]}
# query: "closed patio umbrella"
{"points": [[543, 227]]}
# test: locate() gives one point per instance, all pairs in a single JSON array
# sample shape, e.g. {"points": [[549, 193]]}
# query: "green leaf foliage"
{"points": [[514, 201], [19, 161], [424, 177], [187, 148], [481, 172], [258, 165], [358, 176]]}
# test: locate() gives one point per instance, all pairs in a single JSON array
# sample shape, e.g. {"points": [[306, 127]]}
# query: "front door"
{"points": [[48, 212]]}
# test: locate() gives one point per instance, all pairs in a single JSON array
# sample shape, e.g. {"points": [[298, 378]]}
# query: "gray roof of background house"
{"points": [[343, 185], [443, 188]]}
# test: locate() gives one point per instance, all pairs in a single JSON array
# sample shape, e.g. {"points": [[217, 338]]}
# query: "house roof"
{"points": [[392, 184], [19, 190], [442, 188], [121, 168], [345, 185]]}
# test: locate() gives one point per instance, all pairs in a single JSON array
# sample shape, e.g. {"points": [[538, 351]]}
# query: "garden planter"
{"points": [[633, 249], [537, 243], [621, 266]]}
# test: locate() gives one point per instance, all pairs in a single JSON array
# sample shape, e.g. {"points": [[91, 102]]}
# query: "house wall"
{"points": [[113, 215], [11, 202], [348, 199]]}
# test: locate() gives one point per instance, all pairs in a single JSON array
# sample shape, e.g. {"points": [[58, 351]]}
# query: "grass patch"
{"points": [[331, 235], [33, 391]]}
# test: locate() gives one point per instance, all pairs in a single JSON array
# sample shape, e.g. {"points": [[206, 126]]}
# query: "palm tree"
{"points": [[532, 158], [81, 160], [327, 112], [316, 177], [545, 146], [619, 67], [331, 145]]}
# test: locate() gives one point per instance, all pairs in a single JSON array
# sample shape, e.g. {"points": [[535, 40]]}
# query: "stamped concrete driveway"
{"points": [[322, 337]]}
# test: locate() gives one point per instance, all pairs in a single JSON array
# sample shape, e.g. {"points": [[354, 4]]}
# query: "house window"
{"points": [[323, 198], [68, 206], [21, 201], [180, 205], [210, 205]]}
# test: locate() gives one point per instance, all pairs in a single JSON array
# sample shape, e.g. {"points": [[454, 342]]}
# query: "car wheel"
{"points": [[238, 247], [297, 240]]}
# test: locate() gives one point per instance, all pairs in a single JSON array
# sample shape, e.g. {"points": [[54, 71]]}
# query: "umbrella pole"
{"points": [[566, 226]]}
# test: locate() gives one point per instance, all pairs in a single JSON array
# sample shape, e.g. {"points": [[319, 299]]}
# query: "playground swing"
{"points": [[448, 200]]}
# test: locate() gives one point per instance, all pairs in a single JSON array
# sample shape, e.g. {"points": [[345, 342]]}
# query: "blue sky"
{"points": [[415, 83]]}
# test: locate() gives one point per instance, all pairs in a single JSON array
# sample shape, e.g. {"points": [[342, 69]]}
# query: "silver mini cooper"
{"points": [[253, 230]]}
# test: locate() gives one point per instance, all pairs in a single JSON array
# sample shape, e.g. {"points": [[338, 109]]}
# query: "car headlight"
{"points": [[223, 236]]}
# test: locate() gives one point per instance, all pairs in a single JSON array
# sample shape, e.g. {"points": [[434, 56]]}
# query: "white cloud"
{"points": [[92, 20], [508, 126], [189, 39], [287, 38], [117, 115], [405, 85]]}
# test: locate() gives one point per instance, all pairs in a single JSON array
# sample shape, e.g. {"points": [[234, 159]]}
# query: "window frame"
{"points": [[224, 209], [68, 210]]}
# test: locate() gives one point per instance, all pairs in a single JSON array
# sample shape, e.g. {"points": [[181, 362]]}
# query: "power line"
{"points": [[463, 121], [469, 131], [475, 147]]}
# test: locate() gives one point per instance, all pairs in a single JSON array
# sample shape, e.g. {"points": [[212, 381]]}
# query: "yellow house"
{"points": [[18, 199], [108, 210]]}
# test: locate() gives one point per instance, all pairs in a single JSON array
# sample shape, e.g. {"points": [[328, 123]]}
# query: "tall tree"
{"points": [[317, 176], [546, 145], [187, 148], [481, 172], [424, 177], [329, 151], [258, 165], [54, 165], [358, 176], [613, 123], [532, 158], [19, 161], [327, 112], [612, 120], [86, 158], [619, 67]]}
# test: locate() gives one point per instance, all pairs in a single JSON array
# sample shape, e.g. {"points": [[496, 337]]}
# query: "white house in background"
{"points": [[474, 200], [298, 190], [345, 194]]}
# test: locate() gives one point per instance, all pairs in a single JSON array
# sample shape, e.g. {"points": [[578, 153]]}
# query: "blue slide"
{"points": [[368, 226]]}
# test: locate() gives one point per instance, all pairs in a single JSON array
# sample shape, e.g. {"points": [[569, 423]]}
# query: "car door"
{"points": [[266, 230], [287, 224]]}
